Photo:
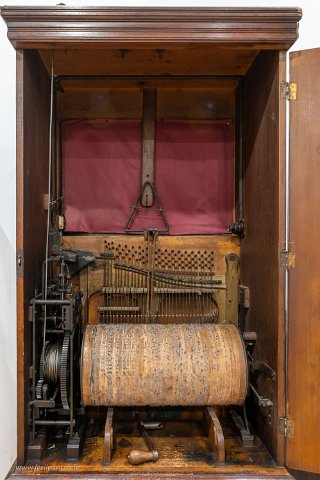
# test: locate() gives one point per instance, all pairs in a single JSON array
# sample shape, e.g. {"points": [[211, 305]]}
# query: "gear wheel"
{"points": [[64, 371], [41, 379]]}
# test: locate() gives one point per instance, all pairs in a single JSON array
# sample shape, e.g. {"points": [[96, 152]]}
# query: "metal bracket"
{"points": [[286, 427], [263, 402], [263, 367], [250, 339], [135, 208], [67, 317], [20, 262], [287, 259], [244, 296], [288, 90], [57, 85]]}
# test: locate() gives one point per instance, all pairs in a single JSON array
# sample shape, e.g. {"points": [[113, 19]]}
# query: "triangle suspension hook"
{"points": [[135, 208]]}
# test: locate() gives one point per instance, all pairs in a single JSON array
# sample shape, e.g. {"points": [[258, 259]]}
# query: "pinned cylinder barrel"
{"points": [[139, 365]]}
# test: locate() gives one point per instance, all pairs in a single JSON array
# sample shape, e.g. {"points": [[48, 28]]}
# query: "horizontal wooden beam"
{"points": [[53, 27]]}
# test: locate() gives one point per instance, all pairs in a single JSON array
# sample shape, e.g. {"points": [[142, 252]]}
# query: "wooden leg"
{"points": [[108, 438], [215, 435], [75, 444], [73, 448], [36, 448]]}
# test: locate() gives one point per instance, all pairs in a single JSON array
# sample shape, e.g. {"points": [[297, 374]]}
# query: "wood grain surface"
{"points": [[263, 184], [92, 26], [303, 448], [185, 454], [32, 172]]}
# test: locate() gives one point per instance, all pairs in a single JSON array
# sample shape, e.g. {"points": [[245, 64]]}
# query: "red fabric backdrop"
{"points": [[194, 175]]}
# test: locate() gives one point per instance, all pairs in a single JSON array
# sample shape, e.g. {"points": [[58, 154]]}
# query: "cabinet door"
{"points": [[303, 445]]}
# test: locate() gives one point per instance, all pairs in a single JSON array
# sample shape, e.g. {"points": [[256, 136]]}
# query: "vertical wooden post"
{"points": [[32, 156], [232, 284], [148, 142]]}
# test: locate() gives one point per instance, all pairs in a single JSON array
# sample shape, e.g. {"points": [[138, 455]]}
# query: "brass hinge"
{"points": [[286, 427], [20, 262], [287, 259], [288, 90]]}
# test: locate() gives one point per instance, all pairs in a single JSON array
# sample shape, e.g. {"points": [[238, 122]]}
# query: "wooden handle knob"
{"points": [[136, 457]]}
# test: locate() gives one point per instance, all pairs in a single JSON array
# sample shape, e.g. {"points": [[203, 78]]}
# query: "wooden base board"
{"points": [[244, 474], [184, 451]]}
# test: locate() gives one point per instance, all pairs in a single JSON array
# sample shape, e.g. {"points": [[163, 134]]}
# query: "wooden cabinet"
{"points": [[154, 65]]}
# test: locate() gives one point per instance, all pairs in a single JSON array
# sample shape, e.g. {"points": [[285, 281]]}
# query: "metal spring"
{"points": [[51, 363]]}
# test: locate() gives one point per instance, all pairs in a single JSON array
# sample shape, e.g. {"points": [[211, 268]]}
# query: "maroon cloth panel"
{"points": [[194, 175], [101, 173]]}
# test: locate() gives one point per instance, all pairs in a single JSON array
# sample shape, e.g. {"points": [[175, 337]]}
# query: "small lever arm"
{"points": [[136, 457]]}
